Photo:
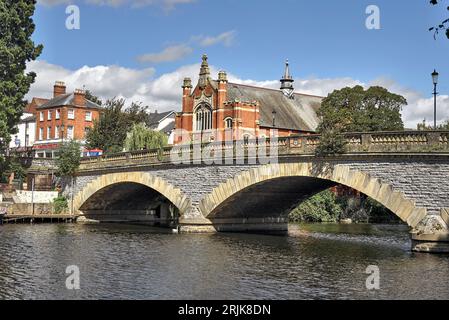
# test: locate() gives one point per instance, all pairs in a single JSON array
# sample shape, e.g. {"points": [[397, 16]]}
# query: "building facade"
{"points": [[218, 110], [67, 116]]}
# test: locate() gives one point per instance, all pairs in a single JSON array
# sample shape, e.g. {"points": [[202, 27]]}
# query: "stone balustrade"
{"points": [[301, 145]]}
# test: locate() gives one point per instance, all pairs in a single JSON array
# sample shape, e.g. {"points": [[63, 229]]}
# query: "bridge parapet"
{"points": [[404, 142]]}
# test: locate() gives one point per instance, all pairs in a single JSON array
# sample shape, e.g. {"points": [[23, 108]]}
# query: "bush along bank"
{"points": [[327, 206]]}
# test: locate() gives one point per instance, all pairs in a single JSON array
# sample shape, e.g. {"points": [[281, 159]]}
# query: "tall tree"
{"points": [[443, 26], [110, 131], [357, 110], [16, 49], [69, 158]]}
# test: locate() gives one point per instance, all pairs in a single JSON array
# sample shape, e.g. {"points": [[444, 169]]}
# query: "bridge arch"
{"points": [[373, 187], [174, 195]]}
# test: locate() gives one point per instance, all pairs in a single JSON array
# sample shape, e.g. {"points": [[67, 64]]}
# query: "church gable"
{"points": [[213, 108]]}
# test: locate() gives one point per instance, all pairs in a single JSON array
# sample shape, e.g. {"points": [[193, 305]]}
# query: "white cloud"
{"points": [[226, 38], [169, 54], [164, 92]]}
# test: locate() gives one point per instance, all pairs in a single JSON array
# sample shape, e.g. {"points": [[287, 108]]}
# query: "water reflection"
{"points": [[129, 262]]}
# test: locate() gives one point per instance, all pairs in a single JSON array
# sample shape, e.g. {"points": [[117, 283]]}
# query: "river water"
{"points": [[127, 262]]}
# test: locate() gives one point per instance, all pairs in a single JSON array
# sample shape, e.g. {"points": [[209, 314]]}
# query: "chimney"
{"points": [[79, 97], [59, 89]]}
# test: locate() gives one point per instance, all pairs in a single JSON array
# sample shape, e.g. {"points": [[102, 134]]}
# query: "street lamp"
{"points": [[435, 82]]}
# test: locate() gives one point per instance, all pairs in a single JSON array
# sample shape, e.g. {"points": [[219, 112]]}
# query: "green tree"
{"points": [[142, 138], [110, 130], [357, 110], [443, 26], [322, 207], [16, 49], [69, 158]]}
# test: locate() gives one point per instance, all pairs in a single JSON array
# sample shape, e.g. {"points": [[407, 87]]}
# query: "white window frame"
{"points": [[48, 133], [203, 118], [41, 133], [88, 116], [71, 114], [57, 114], [57, 128], [49, 114], [41, 116]]}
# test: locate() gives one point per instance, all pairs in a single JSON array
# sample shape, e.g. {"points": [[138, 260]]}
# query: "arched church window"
{"points": [[203, 118], [228, 123]]}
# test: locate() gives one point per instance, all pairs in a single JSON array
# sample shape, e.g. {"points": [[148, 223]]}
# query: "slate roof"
{"points": [[156, 118], [66, 100], [169, 128], [299, 113]]}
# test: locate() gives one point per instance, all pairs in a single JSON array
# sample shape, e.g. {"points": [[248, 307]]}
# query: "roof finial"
{"points": [[287, 82], [204, 72]]}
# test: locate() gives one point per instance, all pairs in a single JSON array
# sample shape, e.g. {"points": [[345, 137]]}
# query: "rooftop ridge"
{"points": [[271, 89]]}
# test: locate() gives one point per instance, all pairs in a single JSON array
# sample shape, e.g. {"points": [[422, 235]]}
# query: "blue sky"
{"points": [[324, 39]]}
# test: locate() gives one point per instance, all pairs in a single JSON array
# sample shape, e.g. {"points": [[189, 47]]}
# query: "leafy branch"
{"points": [[442, 26]]}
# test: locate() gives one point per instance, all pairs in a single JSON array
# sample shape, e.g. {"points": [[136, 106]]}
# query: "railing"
{"points": [[301, 145]]}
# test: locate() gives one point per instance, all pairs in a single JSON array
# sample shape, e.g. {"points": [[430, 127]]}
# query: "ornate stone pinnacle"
{"points": [[222, 76]]}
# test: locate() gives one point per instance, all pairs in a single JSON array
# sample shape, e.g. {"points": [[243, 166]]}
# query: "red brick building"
{"points": [[64, 117], [216, 110]]}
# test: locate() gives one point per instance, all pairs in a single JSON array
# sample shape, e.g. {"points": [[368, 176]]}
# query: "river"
{"points": [[323, 261]]}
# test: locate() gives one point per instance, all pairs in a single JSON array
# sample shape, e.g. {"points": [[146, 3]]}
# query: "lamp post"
{"points": [[435, 82]]}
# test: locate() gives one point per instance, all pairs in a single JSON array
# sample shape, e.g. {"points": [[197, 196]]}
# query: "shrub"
{"points": [[60, 204]]}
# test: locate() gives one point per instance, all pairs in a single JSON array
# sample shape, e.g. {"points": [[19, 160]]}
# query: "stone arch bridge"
{"points": [[407, 172]]}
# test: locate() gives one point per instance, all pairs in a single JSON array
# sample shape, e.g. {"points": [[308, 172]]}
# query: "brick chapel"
{"points": [[216, 110]]}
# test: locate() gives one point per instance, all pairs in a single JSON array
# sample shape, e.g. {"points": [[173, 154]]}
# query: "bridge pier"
{"points": [[432, 234]]}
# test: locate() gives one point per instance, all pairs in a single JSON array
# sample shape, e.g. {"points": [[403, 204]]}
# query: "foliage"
{"points": [[91, 97], [442, 26], [110, 131], [142, 138], [328, 207], [332, 142], [69, 158], [16, 167], [424, 127], [60, 204], [16, 49], [322, 207], [357, 110]]}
